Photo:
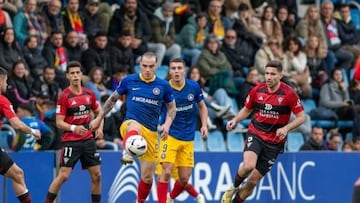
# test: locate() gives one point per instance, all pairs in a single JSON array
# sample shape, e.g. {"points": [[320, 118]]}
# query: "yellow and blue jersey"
{"points": [[145, 98], [186, 99]]}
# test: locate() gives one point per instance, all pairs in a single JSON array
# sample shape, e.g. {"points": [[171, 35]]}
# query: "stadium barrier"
{"points": [[295, 177]]}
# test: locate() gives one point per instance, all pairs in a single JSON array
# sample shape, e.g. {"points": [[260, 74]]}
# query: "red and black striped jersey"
{"points": [[272, 110], [77, 111], [6, 109]]}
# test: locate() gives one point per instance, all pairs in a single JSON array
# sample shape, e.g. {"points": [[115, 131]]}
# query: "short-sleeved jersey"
{"points": [[30, 140], [6, 109], [272, 110], [76, 109], [144, 99], [186, 99]]}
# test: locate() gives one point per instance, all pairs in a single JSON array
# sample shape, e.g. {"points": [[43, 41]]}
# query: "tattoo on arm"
{"points": [[109, 103], [171, 111]]}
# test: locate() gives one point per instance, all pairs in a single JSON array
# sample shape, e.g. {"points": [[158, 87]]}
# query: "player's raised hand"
{"points": [[230, 125], [81, 130], [37, 134], [204, 132]]}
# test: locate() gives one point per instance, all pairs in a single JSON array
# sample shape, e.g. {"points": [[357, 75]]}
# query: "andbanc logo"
{"points": [[286, 182]]}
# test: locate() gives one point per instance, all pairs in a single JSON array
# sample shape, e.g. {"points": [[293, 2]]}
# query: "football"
{"points": [[136, 145]]}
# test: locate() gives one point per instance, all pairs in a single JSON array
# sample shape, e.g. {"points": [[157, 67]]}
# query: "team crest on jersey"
{"points": [[156, 91], [280, 99], [190, 97]]}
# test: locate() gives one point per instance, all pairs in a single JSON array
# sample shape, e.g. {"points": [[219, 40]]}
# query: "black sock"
{"points": [[238, 180], [51, 196], [25, 198], [356, 194], [95, 198]]}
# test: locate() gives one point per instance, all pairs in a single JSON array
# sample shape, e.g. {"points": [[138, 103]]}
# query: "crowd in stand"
{"points": [[225, 43]]}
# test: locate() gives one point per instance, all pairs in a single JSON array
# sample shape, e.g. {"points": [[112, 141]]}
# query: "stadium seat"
{"points": [[349, 136], [345, 124], [309, 104], [199, 144], [235, 142], [246, 122], [162, 71], [294, 141], [327, 124], [7, 135], [215, 142]]}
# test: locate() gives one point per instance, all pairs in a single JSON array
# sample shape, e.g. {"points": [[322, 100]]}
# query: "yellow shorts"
{"points": [[178, 152], [151, 138]]}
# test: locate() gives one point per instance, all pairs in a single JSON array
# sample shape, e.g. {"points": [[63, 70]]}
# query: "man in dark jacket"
{"points": [[74, 48], [315, 143], [121, 55], [132, 19], [92, 19]]}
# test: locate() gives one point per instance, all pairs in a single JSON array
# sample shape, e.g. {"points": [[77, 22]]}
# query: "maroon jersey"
{"points": [[6, 109], [76, 108], [272, 110]]}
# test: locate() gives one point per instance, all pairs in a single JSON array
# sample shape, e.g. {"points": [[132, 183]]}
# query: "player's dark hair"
{"points": [[73, 64], [26, 107], [149, 55], [3, 71], [275, 64], [177, 60]]}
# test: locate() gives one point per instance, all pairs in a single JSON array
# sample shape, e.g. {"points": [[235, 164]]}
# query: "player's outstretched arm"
{"points": [[16, 123], [108, 105], [243, 114]]}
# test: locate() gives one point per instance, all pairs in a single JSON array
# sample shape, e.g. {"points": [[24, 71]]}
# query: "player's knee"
{"points": [[96, 177], [63, 177], [183, 180], [147, 179], [248, 167], [19, 174]]}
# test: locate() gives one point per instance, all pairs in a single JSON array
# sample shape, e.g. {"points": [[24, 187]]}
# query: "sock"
{"points": [[178, 188], [129, 134], [143, 191], [356, 194], [237, 199], [95, 198], [162, 189], [25, 197], [50, 197], [191, 190], [238, 180]]}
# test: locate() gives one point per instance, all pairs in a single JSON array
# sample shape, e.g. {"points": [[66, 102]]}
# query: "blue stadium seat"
{"points": [[235, 142], [215, 142], [309, 104], [349, 136], [345, 124], [7, 135], [327, 124], [162, 72], [294, 141], [246, 122], [199, 144]]}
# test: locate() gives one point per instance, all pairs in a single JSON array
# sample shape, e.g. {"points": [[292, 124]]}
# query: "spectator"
{"points": [[19, 86], [56, 56], [217, 22], [348, 146], [74, 48], [92, 19], [215, 68], [163, 35], [5, 20], [315, 141], [287, 23], [238, 54], [311, 25], [348, 33], [344, 58], [46, 84], [98, 55], [252, 79], [272, 50], [130, 18], [10, 52], [28, 22], [270, 25], [49, 110], [96, 84], [334, 140], [192, 36], [315, 54], [27, 142], [357, 143], [74, 20], [51, 14], [121, 55], [33, 56], [297, 69], [13, 6]]}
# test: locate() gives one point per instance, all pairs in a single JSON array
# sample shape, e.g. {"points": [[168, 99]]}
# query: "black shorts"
{"points": [[267, 152], [85, 150], [5, 162]]}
